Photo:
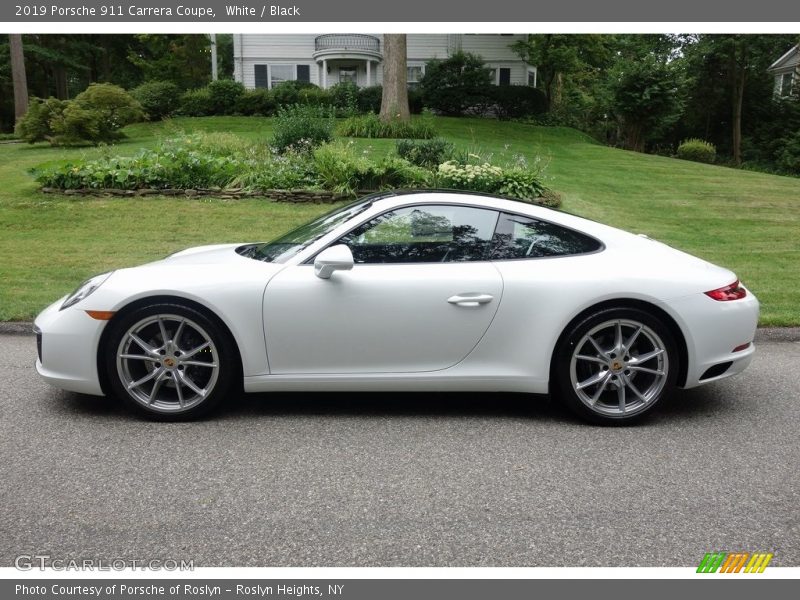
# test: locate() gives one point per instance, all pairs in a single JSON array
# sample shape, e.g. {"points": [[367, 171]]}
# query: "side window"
{"points": [[523, 237], [424, 234]]}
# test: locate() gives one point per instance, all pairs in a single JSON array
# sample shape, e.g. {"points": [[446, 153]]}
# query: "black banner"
{"points": [[443, 11]]}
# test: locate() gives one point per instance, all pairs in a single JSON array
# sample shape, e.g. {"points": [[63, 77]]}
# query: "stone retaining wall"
{"points": [[550, 198], [317, 196]]}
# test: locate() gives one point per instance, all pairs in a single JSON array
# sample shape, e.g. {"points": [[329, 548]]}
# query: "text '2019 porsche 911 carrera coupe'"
{"points": [[408, 291]]}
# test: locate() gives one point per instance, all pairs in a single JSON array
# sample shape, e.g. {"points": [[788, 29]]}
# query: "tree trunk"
{"points": [[18, 75], [738, 73], [737, 120], [60, 81], [394, 101]]}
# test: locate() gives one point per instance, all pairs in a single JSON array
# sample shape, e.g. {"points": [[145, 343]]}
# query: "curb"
{"points": [[16, 328], [763, 334]]}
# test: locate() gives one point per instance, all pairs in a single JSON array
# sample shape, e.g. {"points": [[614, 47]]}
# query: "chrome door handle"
{"points": [[470, 299]]}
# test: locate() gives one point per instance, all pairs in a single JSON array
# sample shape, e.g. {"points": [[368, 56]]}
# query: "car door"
{"points": [[419, 298]]}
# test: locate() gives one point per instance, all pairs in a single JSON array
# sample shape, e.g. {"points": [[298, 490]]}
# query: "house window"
{"points": [[348, 74], [268, 76], [415, 76], [785, 84], [280, 73], [500, 75], [532, 76]]}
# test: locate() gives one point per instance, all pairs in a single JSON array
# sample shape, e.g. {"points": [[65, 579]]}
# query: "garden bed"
{"points": [[305, 170]]}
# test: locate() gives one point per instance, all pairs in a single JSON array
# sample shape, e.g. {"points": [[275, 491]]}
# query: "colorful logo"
{"points": [[734, 562]]}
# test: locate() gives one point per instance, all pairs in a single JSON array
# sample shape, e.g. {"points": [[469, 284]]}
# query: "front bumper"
{"points": [[67, 355]]}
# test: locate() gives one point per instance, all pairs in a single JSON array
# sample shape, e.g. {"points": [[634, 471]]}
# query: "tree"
{"points": [[183, 59], [731, 82], [18, 75], [558, 57], [646, 98], [394, 101]]}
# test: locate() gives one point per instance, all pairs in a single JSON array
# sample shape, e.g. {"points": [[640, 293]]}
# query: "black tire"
{"points": [[202, 355], [588, 376]]}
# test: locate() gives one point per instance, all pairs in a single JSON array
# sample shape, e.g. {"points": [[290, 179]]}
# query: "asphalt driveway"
{"points": [[403, 480]]}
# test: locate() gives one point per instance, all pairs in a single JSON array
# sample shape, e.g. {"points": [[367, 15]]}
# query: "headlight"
{"points": [[85, 289]]}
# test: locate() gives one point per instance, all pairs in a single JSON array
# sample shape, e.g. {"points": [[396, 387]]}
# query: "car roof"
{"points": [[388, 199]]}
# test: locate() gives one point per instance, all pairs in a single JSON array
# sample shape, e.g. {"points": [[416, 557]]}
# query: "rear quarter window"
{"points": [[524, 237]]}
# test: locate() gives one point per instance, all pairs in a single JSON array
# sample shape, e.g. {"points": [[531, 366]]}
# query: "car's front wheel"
{"points": [[615, 365], [169, 362]]}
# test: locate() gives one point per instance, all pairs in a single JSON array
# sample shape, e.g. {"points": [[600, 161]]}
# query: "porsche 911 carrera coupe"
{"points": [[408, 291]]}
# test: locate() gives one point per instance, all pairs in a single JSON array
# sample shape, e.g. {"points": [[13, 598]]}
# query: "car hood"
{"points": [[204, 255]]}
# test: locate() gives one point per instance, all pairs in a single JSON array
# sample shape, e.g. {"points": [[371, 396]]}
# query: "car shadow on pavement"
{"points": [[683, 405]]}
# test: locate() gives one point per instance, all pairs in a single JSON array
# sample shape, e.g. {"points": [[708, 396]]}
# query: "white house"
{"points": [[786, 71], [264, 60]]}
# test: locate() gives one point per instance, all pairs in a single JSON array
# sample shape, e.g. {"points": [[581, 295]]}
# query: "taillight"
{"points": [[734, 291]]}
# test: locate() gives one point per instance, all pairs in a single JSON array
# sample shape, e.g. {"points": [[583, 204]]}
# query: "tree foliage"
{"points": [[456, 85]]}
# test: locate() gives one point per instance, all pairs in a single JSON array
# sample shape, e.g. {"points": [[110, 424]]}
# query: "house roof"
{"points": [[783, 61]]}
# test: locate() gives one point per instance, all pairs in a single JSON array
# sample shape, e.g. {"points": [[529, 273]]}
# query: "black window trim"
{"points": [[500, 212], [601, 246]]}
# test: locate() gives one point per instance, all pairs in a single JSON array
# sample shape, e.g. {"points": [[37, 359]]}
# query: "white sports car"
{"points": [[407, 291]]}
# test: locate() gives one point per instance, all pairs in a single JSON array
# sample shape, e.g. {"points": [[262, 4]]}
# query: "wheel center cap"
{"points": [[616, 366], [169, 362]]}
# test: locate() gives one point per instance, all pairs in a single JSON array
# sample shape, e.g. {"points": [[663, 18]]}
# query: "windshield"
{"points": [[290, 244]]}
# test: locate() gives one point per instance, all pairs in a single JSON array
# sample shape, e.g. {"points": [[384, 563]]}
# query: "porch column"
{"points": [[369, 72], [324, 74]]}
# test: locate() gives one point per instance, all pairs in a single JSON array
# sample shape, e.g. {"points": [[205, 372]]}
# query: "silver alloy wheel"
{"points": [[167, 363], [619, 367]]}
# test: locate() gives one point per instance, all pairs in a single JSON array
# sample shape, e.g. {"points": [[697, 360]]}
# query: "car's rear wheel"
{"points": [[616, 365], [169, 362]]}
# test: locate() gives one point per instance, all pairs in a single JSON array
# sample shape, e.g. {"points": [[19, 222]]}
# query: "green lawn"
{"points": [[745, 221]]}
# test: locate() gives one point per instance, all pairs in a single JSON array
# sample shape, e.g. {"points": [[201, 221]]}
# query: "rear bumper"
{"points": [[712, 331], [67, 353]]}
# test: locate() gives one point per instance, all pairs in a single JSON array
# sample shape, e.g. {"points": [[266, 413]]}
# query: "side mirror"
{"points": [[335, 258]]}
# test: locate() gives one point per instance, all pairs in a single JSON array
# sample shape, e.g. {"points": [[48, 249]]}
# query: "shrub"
{"points": [[520, 183], [789, 156], [196, 103], [314, 96], [516, 182], [76, 126], [425, 153], [95, 115], [515, 101], [345, 98], [369, 99], [112, 107], [201, 160], [35, 125], [288, 92], [477, 178], [697, 150], [371, 126], [302, 128], [258, 103], [223, 96], [159, 99], [415, 102], [456, 85], [344, 170]]}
